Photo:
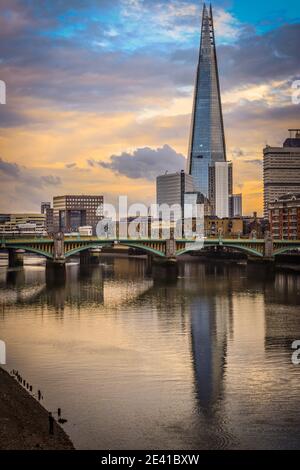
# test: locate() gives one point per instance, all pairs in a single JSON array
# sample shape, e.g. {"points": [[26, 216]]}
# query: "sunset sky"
{"points": [[99, 93]]}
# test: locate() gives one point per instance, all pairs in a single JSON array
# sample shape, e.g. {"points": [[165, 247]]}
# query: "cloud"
{"points": [[21, 174], [9, 169], [51, 180], [254, 162], [237, 152], [145, 163], [70, 165], [85, 81], [258, 58], [227, 27]]}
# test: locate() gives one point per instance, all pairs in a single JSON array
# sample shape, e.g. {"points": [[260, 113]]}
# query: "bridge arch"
{"points": [[145, 248], [30, 249], [129, 244], [80, 249], [241, 248], [286, 249]]}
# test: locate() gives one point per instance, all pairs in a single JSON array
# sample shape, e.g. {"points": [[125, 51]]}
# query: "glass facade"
{"points": [[207, 142]]}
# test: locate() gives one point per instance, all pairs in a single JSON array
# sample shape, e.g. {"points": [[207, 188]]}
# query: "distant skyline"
{"points": [[99, 93]]}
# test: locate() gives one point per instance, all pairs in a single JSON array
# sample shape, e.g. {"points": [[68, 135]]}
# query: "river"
{"points": [[194, 359]]}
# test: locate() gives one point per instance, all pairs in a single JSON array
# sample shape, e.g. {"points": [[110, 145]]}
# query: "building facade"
{"points": [[171, 189], [236, 205], [220, 188], [22, 225], [45, 206], [282, 169], [74, 211], [254, 226], [284, 216], [226, 227], [207, 139], [49, 220]]}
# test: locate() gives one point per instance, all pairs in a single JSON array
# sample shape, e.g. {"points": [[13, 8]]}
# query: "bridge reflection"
{"points": [[81, 285]]}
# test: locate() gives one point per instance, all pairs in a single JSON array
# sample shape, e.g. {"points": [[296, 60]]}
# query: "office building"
{"points": [[284, 216], [49, 220], [45, 206], [22, 225], [171, 188], [220, 188], [236, 205], [207, 139], [282, 169], [194, 198], [73, 211]]}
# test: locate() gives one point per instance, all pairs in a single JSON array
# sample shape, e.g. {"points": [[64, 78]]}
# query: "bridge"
{"points": [[60, 248]]}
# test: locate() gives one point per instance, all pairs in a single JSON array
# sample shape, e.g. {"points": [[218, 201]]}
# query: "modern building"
{"points": [[194, 198], [282, 169], [171, 188], [45, 206], [48, 212], [49, 220], [73, 211], [220, 188], [284, 216], [22, 225], [236, 205], [207, 139]]}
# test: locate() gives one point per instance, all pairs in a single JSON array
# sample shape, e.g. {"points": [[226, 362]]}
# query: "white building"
{"points": [[86, 231], [220, 188]]}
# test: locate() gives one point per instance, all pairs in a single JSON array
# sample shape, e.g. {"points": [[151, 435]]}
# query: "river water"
{"points": [[194, 359]]}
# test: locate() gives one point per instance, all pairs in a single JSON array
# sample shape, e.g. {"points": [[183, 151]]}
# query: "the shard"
{"points": [[207, 140]]}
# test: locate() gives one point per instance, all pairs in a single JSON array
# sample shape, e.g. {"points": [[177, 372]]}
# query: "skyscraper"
{"points": [[281, 169], [207, 140], [171, 188], [220, 188]]}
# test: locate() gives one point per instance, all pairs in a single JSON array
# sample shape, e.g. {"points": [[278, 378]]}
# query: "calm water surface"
{"points": [[193, 360]]}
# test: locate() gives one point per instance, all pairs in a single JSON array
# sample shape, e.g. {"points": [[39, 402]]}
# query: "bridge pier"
{"points": [[149, 263], [84, 257], [15, 258], [56, 267], [268, 248], [89, 257], [55, 271]]}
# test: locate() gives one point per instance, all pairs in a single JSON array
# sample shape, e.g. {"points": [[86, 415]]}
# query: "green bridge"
{"points": [[60, 248]]}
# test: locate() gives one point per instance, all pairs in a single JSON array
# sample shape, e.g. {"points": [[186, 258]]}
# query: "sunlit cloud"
{"points": [[108, 78]]}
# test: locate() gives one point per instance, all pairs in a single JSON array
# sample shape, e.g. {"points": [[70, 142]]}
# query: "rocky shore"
{"points": [[24, 423]]}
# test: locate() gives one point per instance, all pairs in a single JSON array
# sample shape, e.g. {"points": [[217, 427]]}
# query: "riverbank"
{"points": [[24, 422]]}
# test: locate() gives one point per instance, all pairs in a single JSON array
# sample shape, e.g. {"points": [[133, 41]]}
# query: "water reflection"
{"points": [[197, 356]]}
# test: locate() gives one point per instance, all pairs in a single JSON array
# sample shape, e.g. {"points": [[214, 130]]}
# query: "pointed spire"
{"points": [[207, 140]]}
